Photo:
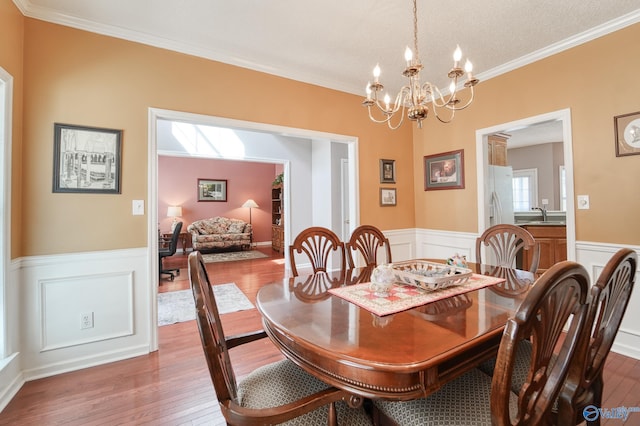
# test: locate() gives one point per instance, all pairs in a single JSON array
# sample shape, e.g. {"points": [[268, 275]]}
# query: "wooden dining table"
{"points": [[401, 356]]}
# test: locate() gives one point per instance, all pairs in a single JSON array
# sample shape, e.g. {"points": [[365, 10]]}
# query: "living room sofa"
{"points": [[220, 233]]}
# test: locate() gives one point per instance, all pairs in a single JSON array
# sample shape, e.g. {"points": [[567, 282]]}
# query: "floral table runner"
{"points": [[403, 297]]}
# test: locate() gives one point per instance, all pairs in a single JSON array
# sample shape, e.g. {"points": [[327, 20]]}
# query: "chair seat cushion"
{"points": [[521, 365], [283, 382], [464, 401]]}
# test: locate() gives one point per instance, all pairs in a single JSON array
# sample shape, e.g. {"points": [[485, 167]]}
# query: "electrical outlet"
{"points": [[86, 320]]}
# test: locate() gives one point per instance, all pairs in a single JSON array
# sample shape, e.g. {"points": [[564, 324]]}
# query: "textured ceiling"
{"points": [[336, 43]]}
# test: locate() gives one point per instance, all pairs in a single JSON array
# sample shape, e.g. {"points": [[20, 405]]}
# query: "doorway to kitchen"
{"points": [[482, 162]]}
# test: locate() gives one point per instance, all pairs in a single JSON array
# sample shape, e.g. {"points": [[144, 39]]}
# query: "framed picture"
{"points": [[444, 171], [212, 190], [387, 171], [86, 159], [627, 129], [387, 197]]}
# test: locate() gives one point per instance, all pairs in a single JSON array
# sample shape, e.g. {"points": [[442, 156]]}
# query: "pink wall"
{"points": [[178, 181]]}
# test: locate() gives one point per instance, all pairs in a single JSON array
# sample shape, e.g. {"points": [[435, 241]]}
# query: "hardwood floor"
{"points": [[172, 386]]}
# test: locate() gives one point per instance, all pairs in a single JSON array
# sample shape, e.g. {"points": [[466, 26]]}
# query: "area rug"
{"points": [[178, 306], [232, 256]]}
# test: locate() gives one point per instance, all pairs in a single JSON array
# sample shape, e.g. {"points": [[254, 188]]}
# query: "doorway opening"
{"points": [[567, 195], [312, 202]]}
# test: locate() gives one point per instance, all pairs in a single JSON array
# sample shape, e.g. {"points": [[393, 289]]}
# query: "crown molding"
{"points": [[32, 11]]}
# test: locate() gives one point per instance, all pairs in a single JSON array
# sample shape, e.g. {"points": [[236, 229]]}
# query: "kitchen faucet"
{"points": [[543, 209]]}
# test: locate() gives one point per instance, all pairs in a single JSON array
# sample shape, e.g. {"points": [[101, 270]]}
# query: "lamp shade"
{"points": [[174, 211], [250, 204]]}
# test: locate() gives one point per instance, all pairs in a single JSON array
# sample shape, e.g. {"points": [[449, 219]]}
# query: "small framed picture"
{"points": [[212, 190], [627, 130], [387, 171], [387, 197], [86, 159], [444, 171]]}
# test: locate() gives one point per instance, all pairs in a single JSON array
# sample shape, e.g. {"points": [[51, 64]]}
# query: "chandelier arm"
{"points": [[375, 120], [392, 127], [440, 119], [455, 107]]}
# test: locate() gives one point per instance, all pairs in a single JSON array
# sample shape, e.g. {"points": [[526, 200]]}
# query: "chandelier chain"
{"points": [[415, 30]]}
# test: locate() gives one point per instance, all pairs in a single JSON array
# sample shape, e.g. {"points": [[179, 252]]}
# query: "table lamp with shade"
{"points": [[175, 212]]}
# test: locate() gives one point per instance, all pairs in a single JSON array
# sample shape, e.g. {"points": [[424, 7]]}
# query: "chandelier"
{"points": [[414, 97]]}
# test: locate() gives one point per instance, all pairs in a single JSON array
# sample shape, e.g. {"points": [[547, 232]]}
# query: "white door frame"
{"points": [[563, 115], [156, 114]]}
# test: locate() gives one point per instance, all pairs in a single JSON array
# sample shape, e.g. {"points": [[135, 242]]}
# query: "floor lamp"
{"points": [[250, 204]]}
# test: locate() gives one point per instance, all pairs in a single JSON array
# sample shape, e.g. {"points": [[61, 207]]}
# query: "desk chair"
{"points": [[168, 251], [560, 294], [271, 394]]}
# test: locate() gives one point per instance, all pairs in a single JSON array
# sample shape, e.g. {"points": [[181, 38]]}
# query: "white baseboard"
{"points": [[11, 379]]}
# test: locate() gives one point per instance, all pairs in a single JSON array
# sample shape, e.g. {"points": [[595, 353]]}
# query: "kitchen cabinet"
{"points": [[497, 149], [553, 245]]}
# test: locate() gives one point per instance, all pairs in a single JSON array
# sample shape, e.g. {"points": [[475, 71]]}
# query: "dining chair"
{"points": [[559, 295], [276, 393], [318, 244], [366, 240], [609, 299], [169, 251], [505, 242]]}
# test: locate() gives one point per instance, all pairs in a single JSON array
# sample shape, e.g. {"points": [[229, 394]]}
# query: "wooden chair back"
{"points": [[211, 333], [558, 296], [609, 300], [318, 244], [366, 240], [506, 241]]}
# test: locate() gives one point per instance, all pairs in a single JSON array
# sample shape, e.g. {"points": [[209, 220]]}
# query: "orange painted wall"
{"points": [[71, 76], [597, 81], [11, 60], [77, 77]]}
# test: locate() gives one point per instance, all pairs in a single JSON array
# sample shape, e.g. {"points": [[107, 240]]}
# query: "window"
{"points": [[525, 189]]}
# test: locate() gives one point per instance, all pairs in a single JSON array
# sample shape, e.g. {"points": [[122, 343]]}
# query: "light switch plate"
{"points": [[138, 207], [583, 202]]}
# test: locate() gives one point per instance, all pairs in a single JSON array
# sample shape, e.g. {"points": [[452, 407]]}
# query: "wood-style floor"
{"points": [[172, 386]]}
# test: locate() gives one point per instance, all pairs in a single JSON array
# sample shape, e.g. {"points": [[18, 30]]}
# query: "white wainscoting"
{"points": [[434, 244], [111, 286]]}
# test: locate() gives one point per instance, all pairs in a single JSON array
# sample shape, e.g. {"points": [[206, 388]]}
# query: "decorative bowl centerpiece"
{"points": [[429, 276], [382, 280]]}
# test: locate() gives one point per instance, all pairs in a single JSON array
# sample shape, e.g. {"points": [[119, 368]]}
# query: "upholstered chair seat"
{"points": [[465, 401], [283, 382]]}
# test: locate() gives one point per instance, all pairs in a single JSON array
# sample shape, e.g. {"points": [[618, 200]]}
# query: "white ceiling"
{"points": [[336, 43]]}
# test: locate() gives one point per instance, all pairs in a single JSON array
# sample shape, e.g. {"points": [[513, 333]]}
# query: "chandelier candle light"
{"points": [[415, 96]]}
